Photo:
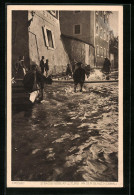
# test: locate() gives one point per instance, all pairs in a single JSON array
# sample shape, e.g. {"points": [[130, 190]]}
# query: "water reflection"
{"points": [[68, 137]]}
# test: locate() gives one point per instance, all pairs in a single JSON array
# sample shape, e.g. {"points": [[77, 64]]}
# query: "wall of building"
{"points": [[101, 40], [86, 20], [101, 56], [57, 56], [79, 51], [20, 36], [112, 60]]}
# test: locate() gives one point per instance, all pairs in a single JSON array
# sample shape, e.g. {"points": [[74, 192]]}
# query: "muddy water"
{"points": [[69, 136]]}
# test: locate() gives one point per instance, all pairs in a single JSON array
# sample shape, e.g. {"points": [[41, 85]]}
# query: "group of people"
{"points": [[20, 69], [78, 73], [44, 66], [32, 76]]}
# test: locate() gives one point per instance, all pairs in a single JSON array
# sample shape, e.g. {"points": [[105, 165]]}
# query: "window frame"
{"points": [[45, 28], [101, 51], [80, 29], [101, 34], [53, 12], [104, 52]]}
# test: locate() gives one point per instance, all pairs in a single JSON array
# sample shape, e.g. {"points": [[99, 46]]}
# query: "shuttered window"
{"points": [[77, 29]]}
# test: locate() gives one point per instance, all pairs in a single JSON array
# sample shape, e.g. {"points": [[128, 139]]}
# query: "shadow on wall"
{"points": [[66, 47]]}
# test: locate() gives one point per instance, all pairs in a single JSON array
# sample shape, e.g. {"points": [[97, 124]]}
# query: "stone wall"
{"points": [[28, 40], [79, 51], [57, 56]]}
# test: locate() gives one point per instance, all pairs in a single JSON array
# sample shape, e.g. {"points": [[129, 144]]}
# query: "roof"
{"points": [[74, 38]]}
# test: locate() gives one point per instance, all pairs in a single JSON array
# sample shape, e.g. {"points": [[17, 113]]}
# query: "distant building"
{"points": [[36, 34], [113, 50], [101, 36], [91, 27]]}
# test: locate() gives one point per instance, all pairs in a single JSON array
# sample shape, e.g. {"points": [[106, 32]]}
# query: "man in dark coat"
{"points": [[106, 66], [42, 65], [46, 67], [19, 69], [34, 81], [79, 76]]}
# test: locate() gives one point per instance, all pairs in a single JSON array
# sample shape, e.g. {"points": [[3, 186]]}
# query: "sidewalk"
{"points": [[96, 81]]}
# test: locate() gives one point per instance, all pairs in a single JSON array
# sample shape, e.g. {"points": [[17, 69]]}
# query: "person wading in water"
{"points": [[79, 76]]}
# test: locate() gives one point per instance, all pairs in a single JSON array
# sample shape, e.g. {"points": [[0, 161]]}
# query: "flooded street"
{"points": [[69, 136]]}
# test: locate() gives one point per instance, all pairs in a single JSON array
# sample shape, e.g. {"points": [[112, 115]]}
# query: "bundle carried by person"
{"points": [[48, 80], [34, 84]]}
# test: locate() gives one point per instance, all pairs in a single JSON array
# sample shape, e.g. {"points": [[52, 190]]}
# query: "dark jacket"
{"points": [[46, 66], [79, 75], [29, 80], [42, 64], [68, 71], [19, 73], [106, 66]]}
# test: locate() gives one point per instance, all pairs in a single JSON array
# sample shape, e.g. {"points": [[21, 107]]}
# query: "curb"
{"points": [[66, 81]]}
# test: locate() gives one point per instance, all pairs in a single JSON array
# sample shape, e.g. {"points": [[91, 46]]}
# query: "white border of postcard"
{"points": [[53, 184]]}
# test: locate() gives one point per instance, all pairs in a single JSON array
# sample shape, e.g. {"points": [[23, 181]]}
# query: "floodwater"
{"points": [[69, 136]]}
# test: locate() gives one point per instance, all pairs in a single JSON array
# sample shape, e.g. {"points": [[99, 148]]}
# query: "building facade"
{"points": [[101, 37], [113, 50], [36, 34], [79, 51], [91, 27]]}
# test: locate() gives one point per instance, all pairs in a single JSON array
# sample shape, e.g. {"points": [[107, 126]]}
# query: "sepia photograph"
{"points": [[64, 96]]}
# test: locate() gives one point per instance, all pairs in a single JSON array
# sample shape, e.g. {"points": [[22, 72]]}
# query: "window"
{"points": [[101, 33], [107, 18], [101, 51], [53, 12], [49, 37], [97, 50], [104, 53], [96, 18], [97, 29], [77, 29], [101, 13]]}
